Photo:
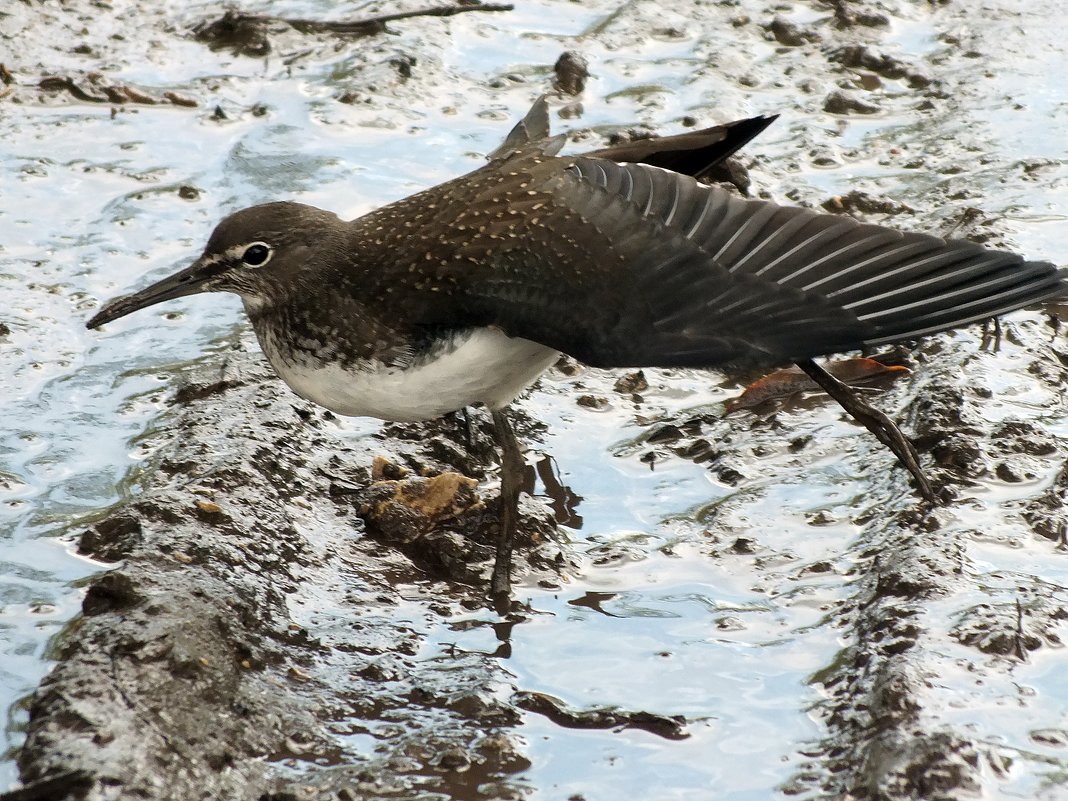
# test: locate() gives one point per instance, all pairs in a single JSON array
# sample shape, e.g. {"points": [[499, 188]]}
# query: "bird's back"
{"points": [[626, 264]]}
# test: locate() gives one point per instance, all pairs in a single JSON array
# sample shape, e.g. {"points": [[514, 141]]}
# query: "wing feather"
{"points": [[792, 282]]}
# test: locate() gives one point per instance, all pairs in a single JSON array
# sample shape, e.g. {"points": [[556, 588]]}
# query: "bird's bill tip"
{"points": [[117, 308], [187, 282]]}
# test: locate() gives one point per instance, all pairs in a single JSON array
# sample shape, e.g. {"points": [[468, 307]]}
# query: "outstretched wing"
{"points": [[631, 265], [696, 153]]}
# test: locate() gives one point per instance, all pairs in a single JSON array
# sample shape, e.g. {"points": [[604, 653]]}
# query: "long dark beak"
{"points": [[190, 281]]}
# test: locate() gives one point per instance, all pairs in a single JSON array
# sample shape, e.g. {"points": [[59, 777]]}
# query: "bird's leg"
{"points": [[462, 418], [511, 480], [884, 429], [469, 434]]}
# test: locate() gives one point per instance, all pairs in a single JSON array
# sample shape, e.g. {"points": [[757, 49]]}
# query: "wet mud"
{"points": [[203, 665], [187, 676]]}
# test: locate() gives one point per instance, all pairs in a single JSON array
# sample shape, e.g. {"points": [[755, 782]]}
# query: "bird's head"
{"points": [[258, 253]]}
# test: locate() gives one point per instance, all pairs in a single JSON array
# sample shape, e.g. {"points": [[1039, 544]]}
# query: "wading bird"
{"points": [[466, 292]]}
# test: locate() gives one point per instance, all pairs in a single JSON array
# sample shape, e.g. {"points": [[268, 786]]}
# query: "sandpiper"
{"points": [[466, 292]]}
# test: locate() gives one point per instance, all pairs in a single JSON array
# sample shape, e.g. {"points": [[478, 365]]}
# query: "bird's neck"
{"points": [[322, 322]]}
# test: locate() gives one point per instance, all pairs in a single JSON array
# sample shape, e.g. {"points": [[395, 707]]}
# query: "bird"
{"points": [[622, 257]]}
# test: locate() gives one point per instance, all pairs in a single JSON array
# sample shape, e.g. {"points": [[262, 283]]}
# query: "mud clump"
{"points": [[841, 102], [448, 529], [571, 71], [112, 538], [858, 202], [790, 33], [242, 34], [631, 383], [425, 518], [862, 57]]}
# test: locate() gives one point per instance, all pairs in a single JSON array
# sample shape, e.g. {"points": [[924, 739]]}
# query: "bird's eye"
{"points": [[256, 255]]}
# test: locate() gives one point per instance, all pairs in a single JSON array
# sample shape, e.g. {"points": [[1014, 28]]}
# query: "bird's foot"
{"points": [[884, 429]]}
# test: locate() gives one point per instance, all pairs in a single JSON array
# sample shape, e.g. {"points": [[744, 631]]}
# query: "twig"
{"points": [[375, 24], [117, 94], [240, 25]]}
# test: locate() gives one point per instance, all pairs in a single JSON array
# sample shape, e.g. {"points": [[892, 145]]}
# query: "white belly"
{"points": [[486, 367]]}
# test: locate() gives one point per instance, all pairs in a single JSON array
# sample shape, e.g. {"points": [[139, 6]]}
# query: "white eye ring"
{"points": [[256, 254]]}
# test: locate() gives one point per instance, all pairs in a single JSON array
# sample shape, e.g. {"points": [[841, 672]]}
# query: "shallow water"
{"points": [[661, 619]]}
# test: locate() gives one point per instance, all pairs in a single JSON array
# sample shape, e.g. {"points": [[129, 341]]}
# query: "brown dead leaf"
{"points": [[791, 380]]}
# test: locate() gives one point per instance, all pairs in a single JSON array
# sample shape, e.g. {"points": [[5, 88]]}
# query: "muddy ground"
{"points": [[193, 670]]}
